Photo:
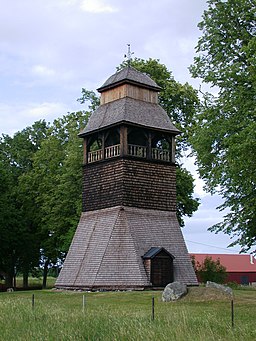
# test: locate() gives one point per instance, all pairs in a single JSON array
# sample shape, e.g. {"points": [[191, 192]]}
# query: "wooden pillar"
{"points": [[173, 149], [149, 149], [103, 139], [85, 158], [123, 141]]}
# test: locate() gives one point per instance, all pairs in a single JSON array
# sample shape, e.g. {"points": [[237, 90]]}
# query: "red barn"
{"points": [[240, 268]]}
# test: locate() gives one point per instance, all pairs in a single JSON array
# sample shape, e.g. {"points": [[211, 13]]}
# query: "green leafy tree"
{"points": [[210, 270], [224, 138], [55, 186], [18, 228]]}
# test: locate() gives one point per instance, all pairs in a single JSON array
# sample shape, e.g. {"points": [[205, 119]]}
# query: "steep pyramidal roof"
{"points": [[128, 109], [129, 75]]}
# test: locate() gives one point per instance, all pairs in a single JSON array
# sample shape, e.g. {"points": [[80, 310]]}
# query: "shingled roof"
{"points": [[154, 251], [129, 110], [109, 244], [129, 75]]}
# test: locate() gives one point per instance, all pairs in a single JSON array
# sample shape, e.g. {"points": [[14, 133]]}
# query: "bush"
{"points": [[210, 270]]}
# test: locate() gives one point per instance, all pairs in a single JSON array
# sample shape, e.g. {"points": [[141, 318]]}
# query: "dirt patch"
{"points": [[205, 294]]}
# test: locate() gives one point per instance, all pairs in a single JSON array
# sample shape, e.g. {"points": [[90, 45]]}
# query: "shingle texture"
{"points": [[132, 111], [129, 74], [109, 244], [127, 182]]}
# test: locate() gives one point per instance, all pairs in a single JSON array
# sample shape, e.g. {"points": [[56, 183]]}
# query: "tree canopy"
{"points": [[224, 137]]}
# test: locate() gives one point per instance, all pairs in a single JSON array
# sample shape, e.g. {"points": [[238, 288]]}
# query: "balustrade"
{"points": [[133, 150], [95, 156], [160, 154], [139, 151], [112, 151]]}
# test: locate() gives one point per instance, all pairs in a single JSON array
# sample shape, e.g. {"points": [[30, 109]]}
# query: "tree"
{"points": [[54, 184], [210, 270], [18, 229], [224, 138]]}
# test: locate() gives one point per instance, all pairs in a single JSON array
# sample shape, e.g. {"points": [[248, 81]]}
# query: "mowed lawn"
{"points": [[120, 316]]}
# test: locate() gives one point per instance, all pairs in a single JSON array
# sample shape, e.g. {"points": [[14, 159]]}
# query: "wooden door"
{"points": [[161, 270]]}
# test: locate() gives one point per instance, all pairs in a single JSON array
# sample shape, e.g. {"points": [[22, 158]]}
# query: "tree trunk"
{"points": [[25, 279], [14, 281], [45, 272], [8, 280]]}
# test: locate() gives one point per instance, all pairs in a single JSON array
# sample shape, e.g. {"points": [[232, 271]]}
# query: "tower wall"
{"points": [[129, 182]]}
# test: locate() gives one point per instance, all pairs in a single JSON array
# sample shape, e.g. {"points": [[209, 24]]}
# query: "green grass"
{"points": [[124, 316], [34, 282]]}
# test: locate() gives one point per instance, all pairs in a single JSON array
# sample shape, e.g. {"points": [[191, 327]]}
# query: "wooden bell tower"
{"points": [[128, 236]]}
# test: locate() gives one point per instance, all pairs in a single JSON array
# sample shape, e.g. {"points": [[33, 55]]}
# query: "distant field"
{"points": [[34, 282], [57, 315]]}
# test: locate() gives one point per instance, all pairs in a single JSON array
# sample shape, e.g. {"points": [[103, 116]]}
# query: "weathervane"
{"points": [[129, 54]]}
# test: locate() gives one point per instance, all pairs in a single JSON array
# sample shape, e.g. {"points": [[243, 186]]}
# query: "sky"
{"points": [[51, 49]]}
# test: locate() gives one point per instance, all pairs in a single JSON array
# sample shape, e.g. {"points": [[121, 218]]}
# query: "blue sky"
{"points": [[50, 49]]}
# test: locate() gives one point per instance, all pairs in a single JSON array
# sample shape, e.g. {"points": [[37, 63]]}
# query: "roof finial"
{"points": [[129, 55]]}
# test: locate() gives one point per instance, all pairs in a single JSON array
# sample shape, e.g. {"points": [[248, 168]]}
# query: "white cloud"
{"points": [[16, 117], [43, 71], [97, 6], [45, 110]]}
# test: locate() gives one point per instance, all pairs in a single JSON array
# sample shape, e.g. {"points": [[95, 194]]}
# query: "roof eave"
{"points": [[128, 81], [83, 134]]}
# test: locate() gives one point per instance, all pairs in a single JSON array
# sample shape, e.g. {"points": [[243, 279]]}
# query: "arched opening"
{"points": [[94, 147], [112, 137], [137, 142], [112, 143], [161, 147]]}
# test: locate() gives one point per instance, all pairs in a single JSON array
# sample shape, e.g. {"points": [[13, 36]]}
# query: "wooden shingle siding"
{"points": [[108, 246], [131, 183]]}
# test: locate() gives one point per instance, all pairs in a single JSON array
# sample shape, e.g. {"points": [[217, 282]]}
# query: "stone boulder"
{"points": [[174, 291], [220, 287]]}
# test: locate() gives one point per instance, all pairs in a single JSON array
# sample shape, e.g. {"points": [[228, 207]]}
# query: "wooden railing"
{"points": [[95, 156], [112, 151], [133, 150], [160, 154], [139, 151]]}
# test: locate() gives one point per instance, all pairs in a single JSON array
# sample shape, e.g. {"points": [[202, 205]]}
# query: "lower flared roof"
{"points": [[108, 247], [129, 110]]}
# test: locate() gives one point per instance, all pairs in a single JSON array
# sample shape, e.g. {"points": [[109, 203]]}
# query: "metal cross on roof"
{"points": [[129, 54]]}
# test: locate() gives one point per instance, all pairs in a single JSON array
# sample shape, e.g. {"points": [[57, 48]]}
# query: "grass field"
{"points": [[34, 282], [125, 316]]}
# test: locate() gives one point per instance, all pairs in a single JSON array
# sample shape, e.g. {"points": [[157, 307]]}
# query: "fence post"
{"points": [[33, 301], [232, 313], [153, 308], [83, 303]]}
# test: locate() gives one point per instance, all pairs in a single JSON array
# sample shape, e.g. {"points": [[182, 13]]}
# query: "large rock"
{"points": [[174, 291], [220, 287]]}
